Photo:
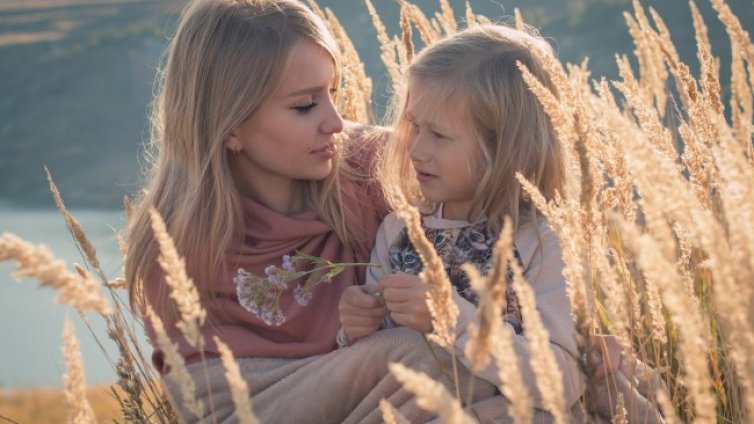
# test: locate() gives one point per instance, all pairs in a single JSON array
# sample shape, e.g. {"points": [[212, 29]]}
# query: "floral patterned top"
{"points": [[456, 246]]}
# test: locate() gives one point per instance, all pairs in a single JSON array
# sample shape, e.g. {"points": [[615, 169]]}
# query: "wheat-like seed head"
{"points": [[79, 409], [442, 307], [182, 288], [239, 390], [74, 288], [73, 225], [431, 395], [542, 360], [178, 372], [390, 414]]}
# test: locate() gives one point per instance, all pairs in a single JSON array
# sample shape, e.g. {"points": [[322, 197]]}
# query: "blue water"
{"points": [[31, 322]]}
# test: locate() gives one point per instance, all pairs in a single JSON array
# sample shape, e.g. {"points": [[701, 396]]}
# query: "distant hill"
{"points": [[76, 77]]}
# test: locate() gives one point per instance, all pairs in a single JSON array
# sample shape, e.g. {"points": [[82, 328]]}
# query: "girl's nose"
{"points": [[418, 149]]}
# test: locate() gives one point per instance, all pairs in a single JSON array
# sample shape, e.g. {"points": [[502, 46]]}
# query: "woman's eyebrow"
{"points": [[309, 90]]}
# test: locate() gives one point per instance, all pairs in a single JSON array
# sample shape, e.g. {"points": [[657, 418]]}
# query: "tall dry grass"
{"points": [[656, 225]]}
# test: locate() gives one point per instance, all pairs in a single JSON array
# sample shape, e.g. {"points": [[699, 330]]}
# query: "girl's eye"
{"points": [[305, 108], [414, 125], [438, 135]]}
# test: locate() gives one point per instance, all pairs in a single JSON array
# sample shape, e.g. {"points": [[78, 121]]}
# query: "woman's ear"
{"points": [[232, 143]]}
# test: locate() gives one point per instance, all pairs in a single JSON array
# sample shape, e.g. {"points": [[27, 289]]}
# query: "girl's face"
{"points": [[291, 136], [444, 155]]}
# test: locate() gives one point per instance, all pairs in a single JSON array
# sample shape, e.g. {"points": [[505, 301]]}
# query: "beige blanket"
{"points": [[345, 386]]}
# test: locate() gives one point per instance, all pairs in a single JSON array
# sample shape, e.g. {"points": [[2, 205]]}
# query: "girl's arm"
{"points": [[544, 273]]}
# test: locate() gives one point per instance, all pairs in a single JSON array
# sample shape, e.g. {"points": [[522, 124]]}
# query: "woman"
{"points": [[251, 165]]}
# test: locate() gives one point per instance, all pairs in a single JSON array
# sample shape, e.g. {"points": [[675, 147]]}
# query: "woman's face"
{"points": [[291, 136]]}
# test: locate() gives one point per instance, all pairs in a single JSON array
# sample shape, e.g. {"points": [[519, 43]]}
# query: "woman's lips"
{"points": [[326, 152]]}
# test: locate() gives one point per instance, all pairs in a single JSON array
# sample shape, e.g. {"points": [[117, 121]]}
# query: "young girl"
{"points": [[466, 125]]}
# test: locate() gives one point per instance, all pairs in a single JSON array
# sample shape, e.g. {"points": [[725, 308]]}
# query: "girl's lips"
{"points": [[327, 152], [424, 177]]}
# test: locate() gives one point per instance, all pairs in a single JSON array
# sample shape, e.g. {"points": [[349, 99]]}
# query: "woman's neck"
{"points": [[284, 196]]}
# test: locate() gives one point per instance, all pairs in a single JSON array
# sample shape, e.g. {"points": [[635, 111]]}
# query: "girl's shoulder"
{"points": [[537, 243]]}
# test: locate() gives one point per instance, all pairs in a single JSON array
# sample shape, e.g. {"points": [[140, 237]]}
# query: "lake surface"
{"points": [[31, 322]]}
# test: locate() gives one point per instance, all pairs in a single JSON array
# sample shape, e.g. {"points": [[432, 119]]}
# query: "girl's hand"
{"points": [[406, 298], [361, 313], [609, 356]]}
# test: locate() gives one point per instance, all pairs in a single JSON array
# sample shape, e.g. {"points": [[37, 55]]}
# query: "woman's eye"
{"points": [[414, 125], [438, 135], [304, 108]]}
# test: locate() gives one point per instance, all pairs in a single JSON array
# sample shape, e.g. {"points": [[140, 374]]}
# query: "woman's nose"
{"points": [[332, 123]]}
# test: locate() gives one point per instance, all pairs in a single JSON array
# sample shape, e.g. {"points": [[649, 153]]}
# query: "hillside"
{"points": [[76, 77]]}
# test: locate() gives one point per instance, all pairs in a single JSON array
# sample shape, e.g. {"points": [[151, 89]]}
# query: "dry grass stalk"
{"points": [[693, 339], [387, 49], [443, 309], [552, 106], [178, 372], [182, 288], [427, 33], [492, 299], [735, 29], [646, 55], [431, 395], [239, 390], [79, 409], [447, 18], [90, 253], [408, 43], [519, 19], [390, 414], [129, 376], [707, 64], [128, 207], [470, 16], [491, 337], [733, 269], [741, 101], [78, 289], [644, 111], [354, 103], [542, 360]]}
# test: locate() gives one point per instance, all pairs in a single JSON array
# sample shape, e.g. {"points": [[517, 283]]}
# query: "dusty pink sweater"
{"points": [[309, 330]]}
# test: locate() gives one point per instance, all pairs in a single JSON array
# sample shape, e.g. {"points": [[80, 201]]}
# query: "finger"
{"points": [[401, 295], [378, 312], [362, 322], [363, 300], [399, 280]]}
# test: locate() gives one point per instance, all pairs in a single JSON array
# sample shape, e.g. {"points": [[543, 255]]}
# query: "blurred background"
{"points": [[76, 79]]}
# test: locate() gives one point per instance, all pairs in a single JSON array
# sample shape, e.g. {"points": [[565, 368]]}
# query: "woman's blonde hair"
{"points": [[225, 60], [477, 69]]}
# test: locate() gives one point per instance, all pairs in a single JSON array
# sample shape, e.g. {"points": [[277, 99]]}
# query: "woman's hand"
{"points": [[406, 298], [361, 312]]}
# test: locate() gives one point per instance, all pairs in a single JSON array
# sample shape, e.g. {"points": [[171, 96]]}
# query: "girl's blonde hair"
{"points": [[225, 60], [477, 68]]}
